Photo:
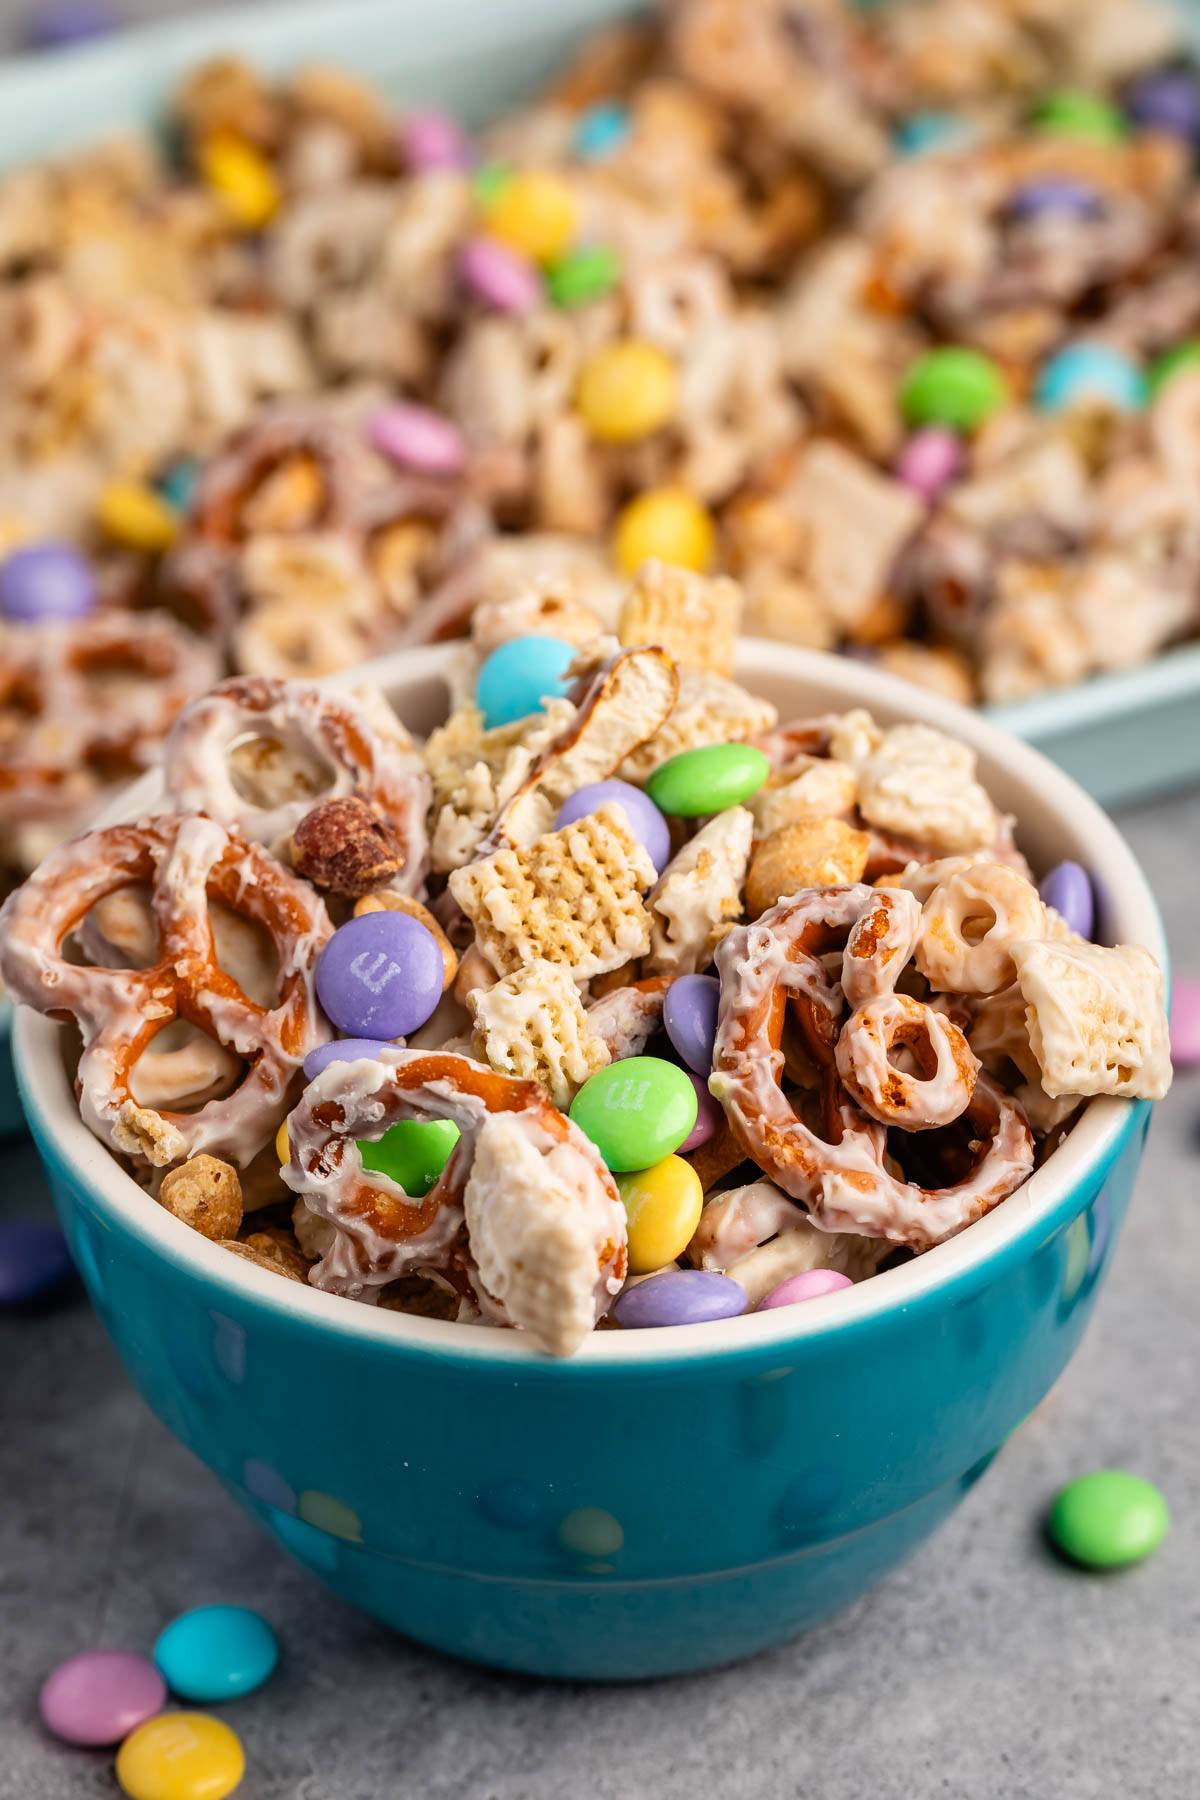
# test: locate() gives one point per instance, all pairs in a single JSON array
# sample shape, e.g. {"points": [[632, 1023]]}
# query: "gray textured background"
{"points": [[982, 1671]]}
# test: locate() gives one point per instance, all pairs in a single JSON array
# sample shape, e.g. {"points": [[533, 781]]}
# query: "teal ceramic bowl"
{"points": [[664, 1500]]}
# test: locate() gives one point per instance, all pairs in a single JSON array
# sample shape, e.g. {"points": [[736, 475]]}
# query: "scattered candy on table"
{"points": [[520, 676], [645, 820], [180, 1756], [1108, 1519], [43, 582], [216, 1653], [380, 975], [34, 1261], [707, 780], [100, 1696], [636, 1111]]}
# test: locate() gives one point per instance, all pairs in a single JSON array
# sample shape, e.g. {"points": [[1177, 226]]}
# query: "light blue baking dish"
{"points": [[1121, 736]]}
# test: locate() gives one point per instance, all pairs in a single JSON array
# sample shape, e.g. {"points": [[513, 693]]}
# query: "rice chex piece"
{"points": [[533, 1024]]}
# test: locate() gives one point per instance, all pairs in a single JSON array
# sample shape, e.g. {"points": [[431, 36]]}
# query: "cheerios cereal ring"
{"points": [[941, 1089]]}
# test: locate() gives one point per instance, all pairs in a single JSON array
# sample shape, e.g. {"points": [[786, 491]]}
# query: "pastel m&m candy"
{"points": [[811, 1284], [930, 460], [431, 139], [1069, 112], [679, 1297], [663, 1206], [1108, 1519], [242, 179], [1055, 198], [585, 275], [1175, 361], [498, 276], [636, 1111], [927, 131], [1068, 889], [953, 386], [411, 1153], [216, 1653], [57, 24], [1166, 100], [418, 438], [709, 1116], [343, 1050], [180, 1756], [137, 518], [666, 525], [1090, 373], [708, 780], [645, 821], [100, 1696], [600, 130], [534, 213], [1185, 1023], [380, 975], [627, 390], [519, 676], [40, 582], [690, 1019]]}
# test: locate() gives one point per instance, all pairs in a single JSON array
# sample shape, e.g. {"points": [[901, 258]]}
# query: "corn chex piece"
{"points": [[810, 853], [709, 710], [533, 1024], [1096, 1019], [573, 896], [694, 618], [700, 894]]}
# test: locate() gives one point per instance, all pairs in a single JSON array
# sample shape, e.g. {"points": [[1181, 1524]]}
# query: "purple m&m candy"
{"points": [[1068, 889], [34, 1260], [100, 1696], [434, 140], [418, 438], [59, 23], [930, 460], [380, 976], [1166, 100], [807, 1286], [498, 276], [645, 821], [679, 1297], [709, 1117], [343, 1050], [46, 581], [690, 1019], [1055, 197]]}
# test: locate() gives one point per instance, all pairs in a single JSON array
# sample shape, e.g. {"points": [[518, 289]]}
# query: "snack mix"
{"points": [[637, 1008], [887, 312]]}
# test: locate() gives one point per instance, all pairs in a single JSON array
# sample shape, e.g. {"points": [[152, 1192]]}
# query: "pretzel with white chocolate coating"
{"points": [[381, 1233], [188, 860], [387, 774], [842, 1179]]}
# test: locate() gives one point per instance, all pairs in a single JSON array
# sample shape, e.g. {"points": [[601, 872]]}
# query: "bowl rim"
{"points": [[973, 1259]]}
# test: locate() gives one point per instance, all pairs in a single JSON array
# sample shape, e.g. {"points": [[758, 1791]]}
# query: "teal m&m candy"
{"points": [[1069, 112], [708, 780], [520, 675], [925, 131], [216, 1653], [637, 1111], [412, 1153], [601, 130], [1108, 1519], [1090, 374], [585, 275], [1173, 362], [953, 386]]}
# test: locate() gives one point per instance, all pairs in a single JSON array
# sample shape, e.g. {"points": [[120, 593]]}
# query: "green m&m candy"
{"points": [[1108, 1519], [707, 780], [585, 275], [636, 1111], [953, 386], [412, 1153], [1069, 112], [1173, 362]]}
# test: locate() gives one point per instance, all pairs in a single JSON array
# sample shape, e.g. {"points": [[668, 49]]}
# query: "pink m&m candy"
{"points": [[433, 140], [100, 1696], [1185, 1023], [931, 458], [808, 1286], [709, 1116], [418, 439], [498, 276]]}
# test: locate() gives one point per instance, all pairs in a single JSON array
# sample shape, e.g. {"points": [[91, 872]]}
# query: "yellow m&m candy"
{"points": [[663, 1206], [180, 1756], [627, 390], [243, 180], [534, 213], [667, 524], [283, 1148], [134, 516]]}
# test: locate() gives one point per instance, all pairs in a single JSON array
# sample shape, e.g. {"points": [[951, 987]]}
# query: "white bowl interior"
{"points": [[1056, 819]]}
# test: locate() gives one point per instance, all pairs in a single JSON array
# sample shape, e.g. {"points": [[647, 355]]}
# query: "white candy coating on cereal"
{"points": [[699, 895], [533, 1024], [921, 784], [1097, 1023]]}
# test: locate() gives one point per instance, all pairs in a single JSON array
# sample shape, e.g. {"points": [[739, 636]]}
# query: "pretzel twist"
{"points": [[842, 1177], [188, 861]]}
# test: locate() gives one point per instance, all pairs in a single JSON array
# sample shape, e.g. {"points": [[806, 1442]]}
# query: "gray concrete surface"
{"points": [[982, 1671]]}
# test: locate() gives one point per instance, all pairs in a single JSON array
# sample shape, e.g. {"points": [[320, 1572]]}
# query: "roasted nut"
{"points": [[271, 1260], [345, 847], [206, 1194], [390, 902], [810, 853]]}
